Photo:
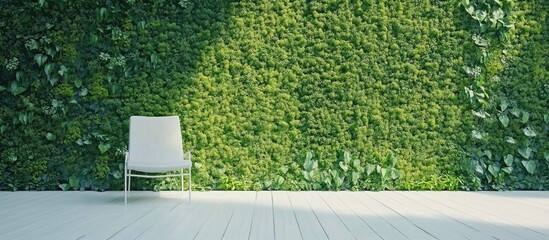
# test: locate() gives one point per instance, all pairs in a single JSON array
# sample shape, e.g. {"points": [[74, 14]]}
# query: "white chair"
{"points": [[155, 147]]}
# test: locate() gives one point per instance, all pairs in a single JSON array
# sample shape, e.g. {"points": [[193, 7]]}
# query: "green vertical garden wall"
{"points": [[298, 95]]}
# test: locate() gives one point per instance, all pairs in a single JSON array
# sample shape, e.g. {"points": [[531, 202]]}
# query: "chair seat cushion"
{"points": [[152, 168]]}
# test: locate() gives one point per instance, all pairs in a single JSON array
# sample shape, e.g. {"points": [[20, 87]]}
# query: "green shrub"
{"points": [[257, 85]]}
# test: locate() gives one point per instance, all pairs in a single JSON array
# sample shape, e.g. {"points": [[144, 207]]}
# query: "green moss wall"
{"points": [[257, 85]]}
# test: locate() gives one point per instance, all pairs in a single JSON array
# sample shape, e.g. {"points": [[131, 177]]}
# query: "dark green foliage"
{"points": [[509, 146], [257, 86]]}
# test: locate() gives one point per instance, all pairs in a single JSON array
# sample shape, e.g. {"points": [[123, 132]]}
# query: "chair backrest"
{"points": [[155, 140]]}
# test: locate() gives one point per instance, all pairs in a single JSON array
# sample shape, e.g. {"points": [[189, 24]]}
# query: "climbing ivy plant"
{"points": [[509, 143]]}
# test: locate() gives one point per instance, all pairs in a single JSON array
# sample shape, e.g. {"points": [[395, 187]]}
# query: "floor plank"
{"points": [[262, 224], [285, 221], [471, 220], [55, 218], [139, 206], [330, 222], [441, 220], [275, 215], [306, 219], [241, 221], [385, 222], [473, 206], [358, 228], [216, 225], [165, 225], [526, 214], [191, 226]]}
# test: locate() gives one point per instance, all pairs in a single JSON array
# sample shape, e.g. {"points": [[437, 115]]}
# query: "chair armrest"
{"points": [[127, 156]]}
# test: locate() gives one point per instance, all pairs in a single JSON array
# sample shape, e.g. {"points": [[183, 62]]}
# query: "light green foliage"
{"points": [[257, 84]]}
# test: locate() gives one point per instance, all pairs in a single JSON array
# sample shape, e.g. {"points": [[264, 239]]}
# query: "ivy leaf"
{"points": [[15, 89], [507, 169], [395, 173], [40, 59], [48, 69], [391, 159], [78, 82], [32, 44], [515, 112], [470, 93], [102, 13], [347, 157], [197, 165], [476, 134], [74, 181], [482, 114], [504, 120], [494, 170], [530, 166], [497, 15], [480, 15], [489, 177], [50, 52], [62, 70], [84, 92], [507, 22], [488, 154], [307, 175], [546, 118], [525, 117], [308, 156], [53, 81], [343, 166], [470, 9], [334, 173], [356, 164], [284, 169], [279, 180], [511, 140], [481, 42], [525, 152], [104, 147], [503, 105], [2, 88], [19, 75], [370, 168], [478, 168], [528, 131], [64, 186], [338, 182], [383, 172], [50, 136], [310, 164], [354, 177], [508, 159]]}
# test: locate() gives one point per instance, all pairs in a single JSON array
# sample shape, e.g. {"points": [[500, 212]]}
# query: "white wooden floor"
{"points": [[275, 215]]}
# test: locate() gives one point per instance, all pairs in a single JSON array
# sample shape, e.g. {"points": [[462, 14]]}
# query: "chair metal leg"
{"points": [[190, 187], [125, 186], [129, 181], [182, 185]]}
